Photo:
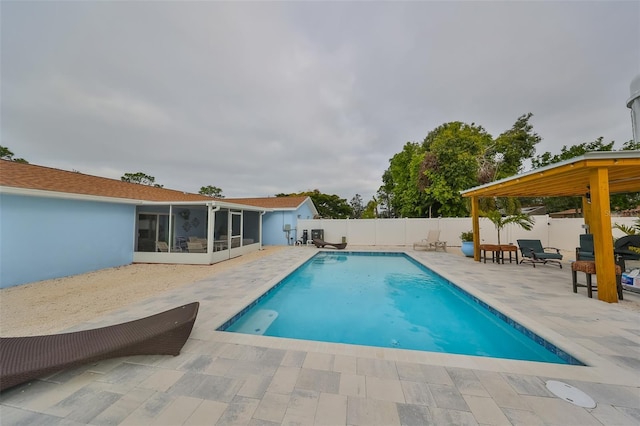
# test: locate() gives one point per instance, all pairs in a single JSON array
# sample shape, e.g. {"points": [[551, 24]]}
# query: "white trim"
{"points": [[99, 198], [65, 195]]}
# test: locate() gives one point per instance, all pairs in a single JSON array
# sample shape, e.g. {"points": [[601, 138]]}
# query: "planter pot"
{"points": [[467, 248]]}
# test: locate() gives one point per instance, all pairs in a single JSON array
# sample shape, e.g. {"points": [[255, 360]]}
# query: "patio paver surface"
{"points": [[233, 379]]}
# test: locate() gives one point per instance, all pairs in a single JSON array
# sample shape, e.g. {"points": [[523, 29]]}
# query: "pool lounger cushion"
{"points": [[26, 358], [321, 243]]}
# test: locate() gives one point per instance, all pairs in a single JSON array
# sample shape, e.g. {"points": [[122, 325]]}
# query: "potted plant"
{"points": [[467, 243]]}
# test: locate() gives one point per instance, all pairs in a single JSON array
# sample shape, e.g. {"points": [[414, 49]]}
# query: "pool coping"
{"points": [[597, 368]]}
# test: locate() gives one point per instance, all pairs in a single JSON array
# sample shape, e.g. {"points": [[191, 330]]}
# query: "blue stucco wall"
{"points": [[273, 224], [272, 227], [43, 238]]}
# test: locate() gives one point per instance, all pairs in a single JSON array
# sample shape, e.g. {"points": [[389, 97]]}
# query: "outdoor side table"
{"points": [[589, 268], [493, 248], [510, 248]]}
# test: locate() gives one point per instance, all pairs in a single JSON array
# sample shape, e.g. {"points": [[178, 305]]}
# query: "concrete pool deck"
{"points": [[227, 378]]}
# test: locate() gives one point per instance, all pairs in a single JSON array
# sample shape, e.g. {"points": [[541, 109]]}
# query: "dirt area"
{"points": [[50, 306]]}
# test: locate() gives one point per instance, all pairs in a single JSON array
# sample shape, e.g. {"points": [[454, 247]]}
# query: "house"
{"points": [[279, 224], [534, 210], [566, 214], [55, 223]]}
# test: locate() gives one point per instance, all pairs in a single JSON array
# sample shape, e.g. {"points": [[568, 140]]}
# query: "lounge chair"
{"points": [[27, 358], [431, 242], [162, 246], [321, 243], [533, 252], [586, 250]]}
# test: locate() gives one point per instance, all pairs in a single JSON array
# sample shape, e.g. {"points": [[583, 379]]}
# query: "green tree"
{"points": [[385, 203], [371, 209], [513, 146], [211, 191], [425, 179], [454, 153], [6, 154], [356, 207], [406, 198], [567, 153], [630, 145], [140, 178], [328, 205], [556, 204]]}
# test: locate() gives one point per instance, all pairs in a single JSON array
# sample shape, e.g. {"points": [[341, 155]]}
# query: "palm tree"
{"points": [[629, 230], [500, 221]]}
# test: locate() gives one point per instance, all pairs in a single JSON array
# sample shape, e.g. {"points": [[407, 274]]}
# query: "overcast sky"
{"points": [[262, 98]]}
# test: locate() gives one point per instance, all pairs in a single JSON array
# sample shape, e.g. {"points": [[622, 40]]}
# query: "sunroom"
{"points": [[195, 232]]}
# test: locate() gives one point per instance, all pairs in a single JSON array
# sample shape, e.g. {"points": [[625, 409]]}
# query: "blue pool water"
{"points": [[387, 300]]}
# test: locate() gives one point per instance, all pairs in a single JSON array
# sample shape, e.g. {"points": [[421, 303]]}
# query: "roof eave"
{"points": [[65, 195], [98, 198]]}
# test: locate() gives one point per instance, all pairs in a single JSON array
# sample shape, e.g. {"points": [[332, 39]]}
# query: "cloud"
{"points": [[263, 98]]}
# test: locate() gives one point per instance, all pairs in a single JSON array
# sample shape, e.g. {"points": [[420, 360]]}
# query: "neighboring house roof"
{"points": [[534, 210], [567, 213], [273, 202], [30, 176], [277, 203]]}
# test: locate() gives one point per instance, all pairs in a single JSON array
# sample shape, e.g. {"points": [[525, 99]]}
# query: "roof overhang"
{"points": [[568, 178], [27, 192], [96, 198]]}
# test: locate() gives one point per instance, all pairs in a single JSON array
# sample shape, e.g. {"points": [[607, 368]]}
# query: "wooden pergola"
{"points": [[593, 176]]}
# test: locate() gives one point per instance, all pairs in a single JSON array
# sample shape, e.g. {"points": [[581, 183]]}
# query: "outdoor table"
{"points": [[589, 268], [508, 248], [498, 251], [493, 248]]}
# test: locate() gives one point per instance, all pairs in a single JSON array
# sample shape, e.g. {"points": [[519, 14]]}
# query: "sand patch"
{"points": [[51, 306]]}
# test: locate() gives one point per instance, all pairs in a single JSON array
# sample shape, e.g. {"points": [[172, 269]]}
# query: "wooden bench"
{"points": [[27, 358], [589, 268]]}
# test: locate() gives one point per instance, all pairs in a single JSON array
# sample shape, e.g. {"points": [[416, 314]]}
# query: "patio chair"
{"points": [[162, 246], [196, 247], [586, 250], [533, 252], [27, 358], [321, 244], [431, 242]]}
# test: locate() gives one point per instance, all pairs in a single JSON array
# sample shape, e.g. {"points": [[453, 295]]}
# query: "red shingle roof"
{"points": [[30, 176]]}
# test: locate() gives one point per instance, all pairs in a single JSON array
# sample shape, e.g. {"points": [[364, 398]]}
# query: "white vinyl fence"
{"points": [[560, 233]]}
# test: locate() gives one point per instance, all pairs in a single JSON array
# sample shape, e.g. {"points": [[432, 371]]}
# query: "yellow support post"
{"points": [[602, 236], [475, 222]]}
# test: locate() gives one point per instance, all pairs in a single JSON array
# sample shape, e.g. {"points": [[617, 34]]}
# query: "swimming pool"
{"points": [[387, 300]]}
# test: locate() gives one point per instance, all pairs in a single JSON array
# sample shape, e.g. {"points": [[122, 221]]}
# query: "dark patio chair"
{"points": [[533, 252], [586, 250], [27, 358], [624, 249], [321, 243]]}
